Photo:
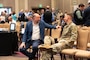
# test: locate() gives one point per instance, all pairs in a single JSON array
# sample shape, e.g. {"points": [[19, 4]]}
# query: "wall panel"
{"points": [[8, 3], [21, 4], [58, 4], [35, 3], [68, 5]]}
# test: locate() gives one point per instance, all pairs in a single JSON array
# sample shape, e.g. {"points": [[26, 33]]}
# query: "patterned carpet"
{"points": [[16, 56], [20, 56]]}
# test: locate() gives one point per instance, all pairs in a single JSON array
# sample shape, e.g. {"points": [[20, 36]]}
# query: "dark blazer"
{"points": [[87, 16], [28, 30]]}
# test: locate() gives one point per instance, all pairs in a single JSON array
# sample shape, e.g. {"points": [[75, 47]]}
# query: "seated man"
{"points": [[69, 35], [34, 35]]}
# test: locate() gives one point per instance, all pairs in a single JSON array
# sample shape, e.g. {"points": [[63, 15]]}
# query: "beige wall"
{"points": [[21, 4], [35, 3], [17, 5], [63, 5], [8, 3], [68, 5]]}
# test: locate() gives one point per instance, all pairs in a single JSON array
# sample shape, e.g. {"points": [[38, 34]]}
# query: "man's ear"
{"points": [[68, 16]]}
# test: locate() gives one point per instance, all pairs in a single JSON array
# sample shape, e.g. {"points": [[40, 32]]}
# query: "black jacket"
{"points": [[87, 16], [77, 20], [47, 17]]}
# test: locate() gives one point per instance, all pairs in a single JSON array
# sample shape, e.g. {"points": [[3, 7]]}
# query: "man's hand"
{"points": [[22, 45], [58, 26]]}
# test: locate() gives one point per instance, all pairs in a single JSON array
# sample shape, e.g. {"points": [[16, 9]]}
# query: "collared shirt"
{"points": [[69, 32], [36, 32]]}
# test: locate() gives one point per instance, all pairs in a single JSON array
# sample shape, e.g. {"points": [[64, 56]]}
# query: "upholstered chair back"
{"points": [[88, 28], [82, 39], [56, 33]]}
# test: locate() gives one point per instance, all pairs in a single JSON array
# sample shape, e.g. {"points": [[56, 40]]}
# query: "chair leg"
{"points": [[81, 58], [38, 54], [75, 58], [52, 57], [88, 59], [63, 57]]}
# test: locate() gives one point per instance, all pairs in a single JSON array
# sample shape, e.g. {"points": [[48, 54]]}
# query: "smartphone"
{"points": [[12, 27]]}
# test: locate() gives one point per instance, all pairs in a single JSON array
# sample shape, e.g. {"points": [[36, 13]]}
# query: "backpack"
{"points": [[47, 17]]}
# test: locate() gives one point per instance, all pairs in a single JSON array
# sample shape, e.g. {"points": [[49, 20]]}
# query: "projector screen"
{"points": [[8, 9]]}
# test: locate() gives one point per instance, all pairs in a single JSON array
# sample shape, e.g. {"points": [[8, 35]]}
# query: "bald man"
{"points": [[34, 35]]}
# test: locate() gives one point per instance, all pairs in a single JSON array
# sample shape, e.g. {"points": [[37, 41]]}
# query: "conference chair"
{"points": [[84, 53], [51, 40], [81, 44], [85, 28], [48, 41], [56, 34]]}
